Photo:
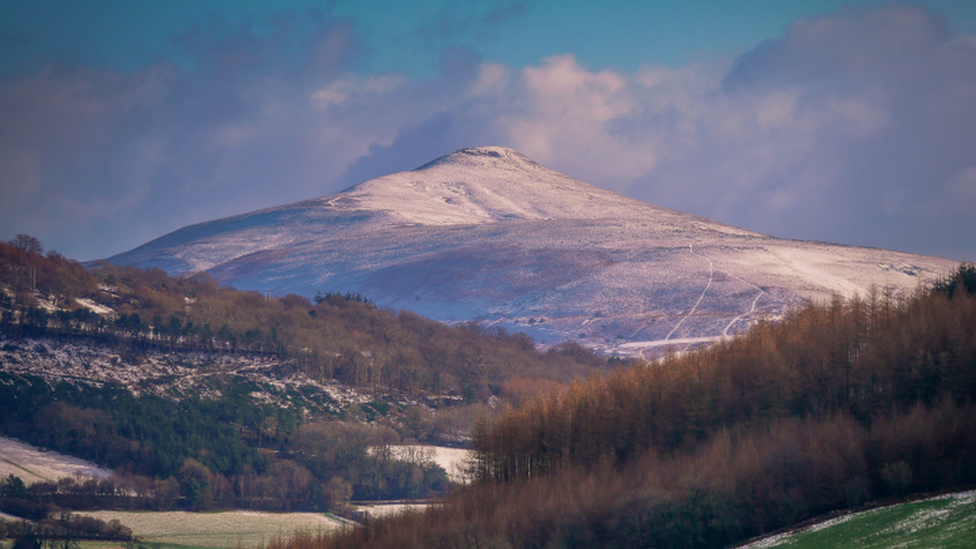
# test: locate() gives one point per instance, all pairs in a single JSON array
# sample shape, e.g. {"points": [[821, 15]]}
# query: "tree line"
{"points": [[49, 525], [863, 358]]}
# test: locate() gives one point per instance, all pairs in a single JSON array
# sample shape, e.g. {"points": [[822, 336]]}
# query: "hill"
{"points": [[487, 234], [201, 396], [345, 338]]}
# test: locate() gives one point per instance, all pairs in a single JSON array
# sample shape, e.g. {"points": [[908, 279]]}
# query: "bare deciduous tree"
{"points": [[28, 243]]}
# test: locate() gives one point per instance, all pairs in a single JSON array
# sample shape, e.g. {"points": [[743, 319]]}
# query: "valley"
{"points": [[726, 345]]}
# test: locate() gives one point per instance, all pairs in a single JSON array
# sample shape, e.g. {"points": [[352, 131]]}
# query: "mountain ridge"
{"points": [[487, 234]]}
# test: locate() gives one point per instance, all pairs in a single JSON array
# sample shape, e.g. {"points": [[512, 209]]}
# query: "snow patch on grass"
{"points": [[33, 464], [225, 529], [453, 460]]}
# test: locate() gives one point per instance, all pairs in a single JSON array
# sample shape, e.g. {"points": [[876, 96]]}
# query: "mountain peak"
{"points": [[483, 185], [491, 156]]}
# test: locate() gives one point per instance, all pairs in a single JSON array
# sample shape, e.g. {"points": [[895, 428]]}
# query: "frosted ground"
{"points": [[166, 373], [454, 461], [226, 529], [33, 464], [943, 521], [487, 234]]}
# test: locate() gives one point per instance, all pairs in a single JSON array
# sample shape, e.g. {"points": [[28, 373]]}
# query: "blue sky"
{"points": [[822, 120]]}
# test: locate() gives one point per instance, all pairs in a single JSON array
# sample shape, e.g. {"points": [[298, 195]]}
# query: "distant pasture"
{"points": [[223, 529]]}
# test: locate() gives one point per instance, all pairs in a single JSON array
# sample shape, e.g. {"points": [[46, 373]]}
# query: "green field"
{"points": [[943, 522], [230, 529]]}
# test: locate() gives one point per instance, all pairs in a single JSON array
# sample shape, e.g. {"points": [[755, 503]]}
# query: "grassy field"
{"points": [[943, 522], [230, 529]]}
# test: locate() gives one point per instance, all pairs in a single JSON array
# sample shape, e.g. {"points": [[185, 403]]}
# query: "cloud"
{"points": [[856, 127], [101, 161]]}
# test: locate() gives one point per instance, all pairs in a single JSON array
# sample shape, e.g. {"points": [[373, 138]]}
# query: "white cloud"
{"points": [[336, 93]]}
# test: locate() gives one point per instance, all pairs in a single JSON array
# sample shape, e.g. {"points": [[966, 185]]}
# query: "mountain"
{"points": [[487, 234]]}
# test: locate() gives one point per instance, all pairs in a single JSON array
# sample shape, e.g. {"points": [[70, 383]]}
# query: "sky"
{"points": [[846, 122]]}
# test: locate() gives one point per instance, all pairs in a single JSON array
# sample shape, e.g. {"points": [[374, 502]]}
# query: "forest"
{"points": [[839, 406]]}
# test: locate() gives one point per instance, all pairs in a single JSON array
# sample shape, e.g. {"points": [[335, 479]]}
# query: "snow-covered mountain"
{"points": [[487, 234]]}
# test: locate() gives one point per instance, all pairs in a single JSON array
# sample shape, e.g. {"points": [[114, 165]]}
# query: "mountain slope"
{"points": [[488, 234]]}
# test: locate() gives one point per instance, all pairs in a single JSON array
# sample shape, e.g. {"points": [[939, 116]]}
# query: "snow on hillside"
{"points": [[169, 374], [487, 234], [489, 184], [33, 464]]}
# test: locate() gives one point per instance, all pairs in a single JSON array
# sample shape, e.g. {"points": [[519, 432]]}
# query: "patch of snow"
{"points": [[163, 373], [34, 464], [218, 529], [379, 510], [95, 307], [455, 461]]}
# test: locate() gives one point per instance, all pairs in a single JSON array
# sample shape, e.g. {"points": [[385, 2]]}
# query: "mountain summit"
{"points": [[487, 234], [490, 184], [482, 185]]}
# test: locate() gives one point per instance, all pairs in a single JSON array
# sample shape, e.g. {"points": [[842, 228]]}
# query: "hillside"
{"points": [[341, 338], [839, 406], [487, 234], [200, 396], [943, 521]]}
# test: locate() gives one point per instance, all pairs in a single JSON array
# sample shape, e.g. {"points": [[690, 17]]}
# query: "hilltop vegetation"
{"points": [[341, 337], [838, 405]]}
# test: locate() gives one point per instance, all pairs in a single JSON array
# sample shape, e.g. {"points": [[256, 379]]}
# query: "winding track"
{"points": [[725, 332], [711, 276]]}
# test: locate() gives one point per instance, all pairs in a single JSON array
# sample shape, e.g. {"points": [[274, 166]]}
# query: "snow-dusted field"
{"points": [[943, 521], [487, 234], [226, 529], [453, 460], [33, 464]]}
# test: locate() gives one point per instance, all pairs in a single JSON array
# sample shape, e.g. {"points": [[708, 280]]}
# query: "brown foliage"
{"points": [[837, 405], [339, 337], [859, 358]]}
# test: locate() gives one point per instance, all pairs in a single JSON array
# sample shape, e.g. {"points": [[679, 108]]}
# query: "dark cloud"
{"points": [[440, 134], [412, 148], [852, 46]]}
